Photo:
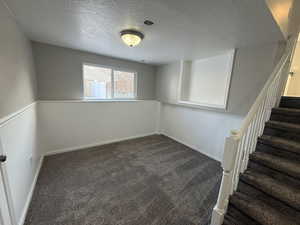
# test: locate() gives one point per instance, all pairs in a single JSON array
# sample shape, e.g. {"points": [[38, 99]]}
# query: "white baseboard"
{"points": [[190, 146], [30, 194], [81, 147]]}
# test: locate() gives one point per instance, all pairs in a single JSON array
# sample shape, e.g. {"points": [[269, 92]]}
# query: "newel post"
{"points": [[228, 164]]}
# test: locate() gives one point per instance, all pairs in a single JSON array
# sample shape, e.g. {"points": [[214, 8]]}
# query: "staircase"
{"points": [[268, 192], [261, 161]]}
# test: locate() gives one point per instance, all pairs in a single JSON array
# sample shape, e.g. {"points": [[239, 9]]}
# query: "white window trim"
{"points": [[112, 81]]}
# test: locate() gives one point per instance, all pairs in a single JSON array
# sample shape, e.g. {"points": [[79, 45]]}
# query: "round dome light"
{"points": [[131, 37]]}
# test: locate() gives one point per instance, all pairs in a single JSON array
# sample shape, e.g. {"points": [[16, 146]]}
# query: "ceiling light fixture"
{"points": [[131, 37]]}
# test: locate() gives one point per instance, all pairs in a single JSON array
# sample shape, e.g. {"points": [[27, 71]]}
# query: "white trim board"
{"points": [[8, 118], [96, 101], [30, 194], [82, 147]]}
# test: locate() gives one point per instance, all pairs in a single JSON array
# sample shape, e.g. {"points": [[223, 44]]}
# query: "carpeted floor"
{"points": [[146, 181]]}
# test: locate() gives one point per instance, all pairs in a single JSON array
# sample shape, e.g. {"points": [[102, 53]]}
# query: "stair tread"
{"points": [[260, 168], [286, 111], [229, 220], [288, 115], [290, 102], [283, 125], [261, 211], [286, 192], [281, 143], [235, 216], [289, 167], [290, 98]]}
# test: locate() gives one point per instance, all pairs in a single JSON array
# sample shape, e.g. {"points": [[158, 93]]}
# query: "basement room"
{"points": [[158, 112]]}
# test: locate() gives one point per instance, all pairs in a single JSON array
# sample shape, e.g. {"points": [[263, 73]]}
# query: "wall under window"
{"points": [[60, 75]]}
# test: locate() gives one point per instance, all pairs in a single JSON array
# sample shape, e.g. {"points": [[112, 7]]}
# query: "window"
{"points": [[107, 83]]}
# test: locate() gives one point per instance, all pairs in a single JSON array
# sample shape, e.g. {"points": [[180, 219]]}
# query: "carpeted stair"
{"points": [[269, 191]]}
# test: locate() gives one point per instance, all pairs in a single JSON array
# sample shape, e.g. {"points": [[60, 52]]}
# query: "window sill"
{"points": [[93, 101], [110, 100], [202, 105]]}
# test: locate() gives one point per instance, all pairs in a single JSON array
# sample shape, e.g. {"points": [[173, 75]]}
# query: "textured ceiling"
{"points": [[186, 29]]}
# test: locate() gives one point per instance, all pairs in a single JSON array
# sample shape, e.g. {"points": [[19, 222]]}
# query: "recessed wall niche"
{"points": [[205, 82]]}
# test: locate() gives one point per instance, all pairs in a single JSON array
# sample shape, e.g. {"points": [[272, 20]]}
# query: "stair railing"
{"points": [[240, 144]]}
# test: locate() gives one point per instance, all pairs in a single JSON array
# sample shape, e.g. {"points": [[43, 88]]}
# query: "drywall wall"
{"points": [[286, 14], [280, 10], [204, 131], [17, 77], [19, 140], [294, 18], [167, 81], [293, 85], [59, 72], [252, 68], [68, 125]]}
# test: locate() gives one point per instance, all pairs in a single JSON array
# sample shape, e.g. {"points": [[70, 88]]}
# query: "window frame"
{"points": [[114, 68]]}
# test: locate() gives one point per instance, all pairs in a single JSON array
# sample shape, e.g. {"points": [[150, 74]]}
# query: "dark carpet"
{"points": [[146, 181]]}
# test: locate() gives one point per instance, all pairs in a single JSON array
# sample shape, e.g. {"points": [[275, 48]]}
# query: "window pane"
{"points": [[97, 82], [123, 84]]}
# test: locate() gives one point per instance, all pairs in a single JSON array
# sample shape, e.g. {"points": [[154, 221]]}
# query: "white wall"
{"points": [[202, 130], [68, 125], [167, 81], [209, 80], [293, 85], [19, 139], [280, 10], [286, 14]]}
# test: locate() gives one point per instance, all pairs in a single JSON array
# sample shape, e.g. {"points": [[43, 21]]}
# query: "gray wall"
{"points": [[252, 68], [59, 72], [253, 65], [17, 76]]}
